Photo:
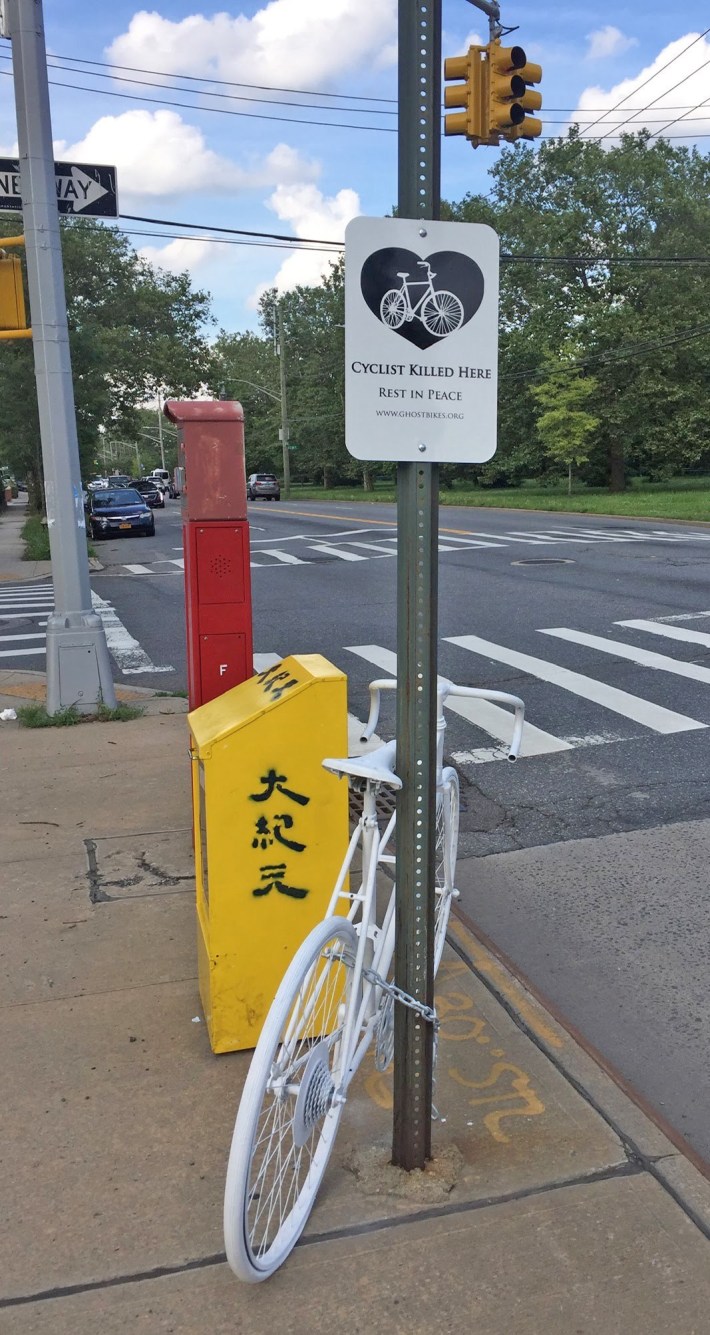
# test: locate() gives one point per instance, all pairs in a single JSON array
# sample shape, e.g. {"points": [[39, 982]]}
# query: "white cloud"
{"points": [[608, 41], [672, 89], [310, 214], [298, 42], [157, 153], [181, 255]]}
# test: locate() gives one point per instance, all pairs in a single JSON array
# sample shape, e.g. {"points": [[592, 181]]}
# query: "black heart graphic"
{"points": [[423, 300]]}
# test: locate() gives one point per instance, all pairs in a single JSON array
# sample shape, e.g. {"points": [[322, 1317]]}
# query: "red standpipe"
{"points": [[215, 544]]}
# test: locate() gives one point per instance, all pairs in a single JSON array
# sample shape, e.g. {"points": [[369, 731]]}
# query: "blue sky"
{"points": [[192, 163]]}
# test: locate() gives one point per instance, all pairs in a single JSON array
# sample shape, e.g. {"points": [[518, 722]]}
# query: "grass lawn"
{"points": [[680, 498]]}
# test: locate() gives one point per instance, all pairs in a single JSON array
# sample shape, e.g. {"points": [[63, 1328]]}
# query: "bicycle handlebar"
{"points": [[444, 689]]}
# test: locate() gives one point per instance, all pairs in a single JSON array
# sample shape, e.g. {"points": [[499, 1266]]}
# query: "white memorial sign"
{"points": [[421, 340]]}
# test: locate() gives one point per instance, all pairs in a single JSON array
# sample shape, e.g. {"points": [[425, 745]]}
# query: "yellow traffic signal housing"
{"points": [[468, 94], [509, 96], [12, 294]]}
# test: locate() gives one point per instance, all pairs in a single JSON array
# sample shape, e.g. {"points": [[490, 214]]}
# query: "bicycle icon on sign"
{"points": [[440, 312]]}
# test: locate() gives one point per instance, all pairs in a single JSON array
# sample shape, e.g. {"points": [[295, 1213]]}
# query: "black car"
{"points": [[114, 511], [150, 491]]}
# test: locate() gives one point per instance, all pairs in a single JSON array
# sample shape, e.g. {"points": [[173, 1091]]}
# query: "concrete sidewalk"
{"points": [[12, 566], [553, 1203]]}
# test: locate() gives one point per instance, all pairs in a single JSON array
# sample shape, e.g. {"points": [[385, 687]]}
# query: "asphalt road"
{"points": [[603, 627]]}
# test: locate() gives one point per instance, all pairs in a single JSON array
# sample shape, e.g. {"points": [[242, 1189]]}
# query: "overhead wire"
{"points": [[650, 79], [614, 132]]}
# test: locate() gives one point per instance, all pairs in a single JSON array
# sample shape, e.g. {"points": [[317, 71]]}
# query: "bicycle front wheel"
{"points": [[393, 308], [447, 841], [290, 1108], [442, 313]]}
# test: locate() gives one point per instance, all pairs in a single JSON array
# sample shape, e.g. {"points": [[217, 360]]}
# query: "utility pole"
{"points": [[284, 410], [160, 430], [78, 663], [419, 139]]}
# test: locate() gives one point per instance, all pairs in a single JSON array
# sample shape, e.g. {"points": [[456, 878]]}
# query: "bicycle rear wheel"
{"points": [[289, 1113], [447, 840]]}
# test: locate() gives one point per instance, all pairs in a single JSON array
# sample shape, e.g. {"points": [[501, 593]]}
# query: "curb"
{"points": [[664, 1153]]}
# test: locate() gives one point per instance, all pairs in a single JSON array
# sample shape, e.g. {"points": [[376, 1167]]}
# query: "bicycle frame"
{"points": [[360, 1021], [418, 282]]}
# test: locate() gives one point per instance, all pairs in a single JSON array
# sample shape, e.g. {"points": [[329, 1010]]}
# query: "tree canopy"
{"points": [[133, 329]]}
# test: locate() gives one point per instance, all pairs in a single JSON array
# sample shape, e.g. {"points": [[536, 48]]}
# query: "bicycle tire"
{"points": [[442, 313], [393, 308], [287, 1117], [447, 840]]}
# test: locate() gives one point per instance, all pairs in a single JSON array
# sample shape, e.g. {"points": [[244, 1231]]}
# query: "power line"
{"points": [[650, 79], [225, 83], [622, 354], [653, 103], [203, 92], [658, 133], [232, 231], [216, 111]]}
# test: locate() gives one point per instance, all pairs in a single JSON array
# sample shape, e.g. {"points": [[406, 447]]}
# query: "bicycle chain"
{"points": [[427, 1012]]}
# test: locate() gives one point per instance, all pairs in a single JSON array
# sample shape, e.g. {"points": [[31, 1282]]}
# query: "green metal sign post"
{"points": [[417, 607]]}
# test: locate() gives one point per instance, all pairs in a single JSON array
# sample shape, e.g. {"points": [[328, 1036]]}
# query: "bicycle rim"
{"points": [[393, 308], [447, 839], [442, 314], [288, 1115]]}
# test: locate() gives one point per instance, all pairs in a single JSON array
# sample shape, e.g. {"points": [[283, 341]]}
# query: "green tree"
{"points": [[133, 328], [565, 425]]}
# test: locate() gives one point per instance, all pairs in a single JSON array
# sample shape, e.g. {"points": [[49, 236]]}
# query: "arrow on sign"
{"points": [[78, 190]]}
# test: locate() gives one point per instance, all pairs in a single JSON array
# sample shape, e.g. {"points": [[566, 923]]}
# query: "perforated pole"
{"points": [[417, 602]]}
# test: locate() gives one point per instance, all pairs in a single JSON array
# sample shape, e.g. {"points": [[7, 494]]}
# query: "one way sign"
{"points": [[81, 188]]}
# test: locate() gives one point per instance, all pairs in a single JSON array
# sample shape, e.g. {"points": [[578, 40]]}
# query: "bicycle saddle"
{"points": [[377, 765], [403, 275]]}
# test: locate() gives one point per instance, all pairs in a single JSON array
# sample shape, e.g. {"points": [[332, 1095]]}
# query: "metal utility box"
{"points": [[271, 829], [218, 611]]}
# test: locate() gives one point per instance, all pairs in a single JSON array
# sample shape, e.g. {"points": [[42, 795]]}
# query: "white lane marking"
{"points": [[621, 702], [376, 547], [670, 632], [22, 616], [485, 715], [129, 655], [540, 538], [4, 639], [340, 552], [139, 570], [286, 557], [12, 599], [684, 616], [471, 542], [644, 657], [22, 653]]}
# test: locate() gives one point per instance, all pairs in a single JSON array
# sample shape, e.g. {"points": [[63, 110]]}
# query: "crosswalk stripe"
{"points": [[286, 557], [472, 541], [128, 653], [340, 552], [610, 697], [22, 653], [645, 657], [376, 547], [138, 569], [6, 638], [484, 714], [23, 616], [670, 632]]}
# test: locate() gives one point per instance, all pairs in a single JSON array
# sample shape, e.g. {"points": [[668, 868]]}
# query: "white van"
{"points": [[162, 477]]}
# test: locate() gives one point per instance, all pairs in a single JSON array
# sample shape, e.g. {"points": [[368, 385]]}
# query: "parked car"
{"points": [[114, 511], [151, 492], [119, 480], [265, 485]]}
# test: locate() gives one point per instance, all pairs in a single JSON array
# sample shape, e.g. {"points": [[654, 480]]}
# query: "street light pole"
{"points": [[78, 664], [284, 413]]}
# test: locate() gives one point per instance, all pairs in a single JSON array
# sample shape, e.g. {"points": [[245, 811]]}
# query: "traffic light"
{"points": [[468, 95], [510, 97], [12, 295]]}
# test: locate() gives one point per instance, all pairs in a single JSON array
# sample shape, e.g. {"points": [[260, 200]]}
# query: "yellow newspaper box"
{"points": [[271, 828]]}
